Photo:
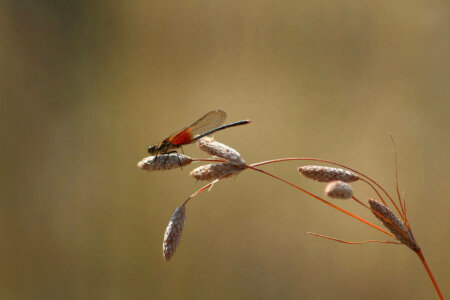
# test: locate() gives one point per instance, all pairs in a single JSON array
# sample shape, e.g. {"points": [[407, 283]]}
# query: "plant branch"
{"points": [[333, 163], [322, 200], [430, 274], [352, 243]]}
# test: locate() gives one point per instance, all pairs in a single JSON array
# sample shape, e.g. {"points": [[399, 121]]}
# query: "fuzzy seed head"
{"points": [[394, 224], [215, 171], [164, 162], [327, 174], [173, 232], [214, 148], [339, 190]]}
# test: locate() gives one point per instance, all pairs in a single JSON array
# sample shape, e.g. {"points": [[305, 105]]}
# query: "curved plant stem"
{"points": [[333, 163], [430, 274], [254, 167], [353, 243], [373, 188], [322, 200], [401, 212], [358, 201], [201, 190]]}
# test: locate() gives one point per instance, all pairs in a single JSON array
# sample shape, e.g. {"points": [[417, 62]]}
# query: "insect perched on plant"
{"points": [[206, 125]]}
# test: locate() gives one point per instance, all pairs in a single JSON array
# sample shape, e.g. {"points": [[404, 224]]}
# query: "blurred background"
{"points": [[87, 86]]}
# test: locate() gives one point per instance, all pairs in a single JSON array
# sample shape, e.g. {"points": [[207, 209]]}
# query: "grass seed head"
{"points": [[339, 190], [327, 174], [214, 148], [164, 162], [394, 224], [173, 232], [214, 171]]}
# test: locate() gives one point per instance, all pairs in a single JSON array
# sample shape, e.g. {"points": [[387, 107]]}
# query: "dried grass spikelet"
{"points": [[394, 224], [173, 232], [327, 174], [214, 171], [339, 189], [164, 162], [213, 148]]}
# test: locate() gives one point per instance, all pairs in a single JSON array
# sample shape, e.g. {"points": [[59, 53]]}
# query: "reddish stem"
{"points": [[333, 163], [419, 252], [373, 188], [430, 274], [352, 243], [200, 190], [358, 201], [323, 200]]}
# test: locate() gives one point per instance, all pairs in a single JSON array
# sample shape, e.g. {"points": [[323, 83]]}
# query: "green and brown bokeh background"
{"points": [[86, 86]]}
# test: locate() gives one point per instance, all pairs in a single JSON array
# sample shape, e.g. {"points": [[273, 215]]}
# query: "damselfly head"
{"points": [[152, 149]]}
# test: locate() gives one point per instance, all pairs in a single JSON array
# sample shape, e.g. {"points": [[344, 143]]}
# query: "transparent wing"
{"points": [[211, 120]]}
